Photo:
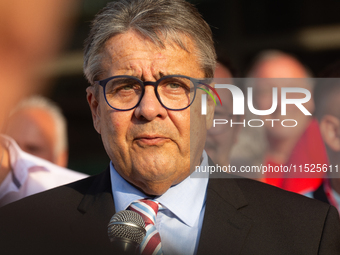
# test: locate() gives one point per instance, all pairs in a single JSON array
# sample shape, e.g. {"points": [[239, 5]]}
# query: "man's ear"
{"points": [[210, 112], [330, 132], [94, 106]]}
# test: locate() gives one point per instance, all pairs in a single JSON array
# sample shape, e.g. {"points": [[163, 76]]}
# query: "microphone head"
{"points": [[127, 225]]}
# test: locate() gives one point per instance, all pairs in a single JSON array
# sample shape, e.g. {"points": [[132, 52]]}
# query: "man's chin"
{"points": [[154, 186], [153, 148], [156, 191]]}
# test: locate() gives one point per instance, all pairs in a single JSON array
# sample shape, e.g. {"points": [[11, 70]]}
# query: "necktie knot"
{"points": [[148, 209]]}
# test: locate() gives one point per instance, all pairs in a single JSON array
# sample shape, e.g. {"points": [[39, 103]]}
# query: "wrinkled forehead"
{"points": [[131, 54], [163, 42]]}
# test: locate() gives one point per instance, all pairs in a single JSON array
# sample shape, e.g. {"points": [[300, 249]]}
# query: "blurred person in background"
{"points": [[297, 145], [23, 174], [327, 101], [31, 35], [221, 138], [39, 128]]}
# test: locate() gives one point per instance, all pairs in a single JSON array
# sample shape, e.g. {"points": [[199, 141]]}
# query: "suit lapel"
{"points": [[96, 209], [224, 228]]}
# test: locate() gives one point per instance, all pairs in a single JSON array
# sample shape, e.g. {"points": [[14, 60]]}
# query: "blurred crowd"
{"points": [[310, 147]]}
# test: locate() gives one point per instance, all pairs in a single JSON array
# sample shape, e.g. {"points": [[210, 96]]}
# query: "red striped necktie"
{"points": [[148, 209]]}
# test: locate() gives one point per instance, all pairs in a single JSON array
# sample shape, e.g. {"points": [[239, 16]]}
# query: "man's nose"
{"points": [[149, 107]]}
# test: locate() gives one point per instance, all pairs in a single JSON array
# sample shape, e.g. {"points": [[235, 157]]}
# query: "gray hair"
{"points": [[55, 112], [158, 20]]}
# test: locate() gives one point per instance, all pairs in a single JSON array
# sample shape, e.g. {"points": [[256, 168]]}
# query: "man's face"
{"points": [[283, 71], [149, 145], [34, 131], [263, 99]]}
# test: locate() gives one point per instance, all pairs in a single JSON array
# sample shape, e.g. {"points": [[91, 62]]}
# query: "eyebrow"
{"points": [[160, 73]]}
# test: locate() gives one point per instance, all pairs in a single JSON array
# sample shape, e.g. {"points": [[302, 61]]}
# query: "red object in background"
{"points": [[310, 149]]}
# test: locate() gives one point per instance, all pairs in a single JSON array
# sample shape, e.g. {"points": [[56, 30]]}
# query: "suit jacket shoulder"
{"points": [[70, 219], [248, 217]]}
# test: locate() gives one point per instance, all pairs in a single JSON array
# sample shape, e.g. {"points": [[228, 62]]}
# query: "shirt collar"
{"points": [[20, 161], [185, 199]]}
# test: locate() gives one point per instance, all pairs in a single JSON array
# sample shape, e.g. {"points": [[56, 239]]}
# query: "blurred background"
{"points": [[310, 30]]}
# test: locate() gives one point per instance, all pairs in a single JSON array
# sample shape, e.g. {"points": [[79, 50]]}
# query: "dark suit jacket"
{"points": [[242, 217]]}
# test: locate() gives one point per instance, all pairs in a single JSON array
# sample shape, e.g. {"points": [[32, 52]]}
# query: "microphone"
{"points": [[126, 231]]}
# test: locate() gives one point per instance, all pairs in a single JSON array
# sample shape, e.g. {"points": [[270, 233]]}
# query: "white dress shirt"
{"points": [[179, 219], [31, 174]]}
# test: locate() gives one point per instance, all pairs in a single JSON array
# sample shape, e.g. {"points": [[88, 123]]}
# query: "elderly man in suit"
{"points": [[145, 60]]}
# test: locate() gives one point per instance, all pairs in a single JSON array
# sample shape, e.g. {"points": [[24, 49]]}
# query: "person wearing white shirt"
{"points": [[24, 174], [39, 127]]}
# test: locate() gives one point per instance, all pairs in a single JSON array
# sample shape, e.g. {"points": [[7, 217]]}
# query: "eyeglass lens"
{"points": [[125, 93]]}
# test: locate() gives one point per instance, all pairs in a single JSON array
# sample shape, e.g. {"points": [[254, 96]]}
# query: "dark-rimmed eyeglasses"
{"points": [[174, 92]]}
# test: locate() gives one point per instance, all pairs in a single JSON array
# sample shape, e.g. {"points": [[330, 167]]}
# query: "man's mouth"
{"points": [[151, 140]]}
